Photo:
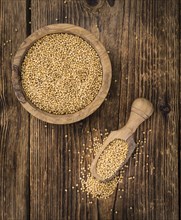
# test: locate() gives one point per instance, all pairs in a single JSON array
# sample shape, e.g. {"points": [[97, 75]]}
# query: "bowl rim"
{"points": [[66, 118]]}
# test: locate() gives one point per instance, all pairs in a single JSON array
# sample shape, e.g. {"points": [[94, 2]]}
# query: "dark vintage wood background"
{"points": [[143, 39]]}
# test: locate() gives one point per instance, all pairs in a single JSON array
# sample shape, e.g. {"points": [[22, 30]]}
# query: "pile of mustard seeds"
{"points": [[95, 189], [111, 158], [99, 189], [92, 186], [61, 74]]}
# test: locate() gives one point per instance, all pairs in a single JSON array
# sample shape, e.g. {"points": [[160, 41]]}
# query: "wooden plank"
{"points": [[14, 120], [152, 68], [144, 57]]}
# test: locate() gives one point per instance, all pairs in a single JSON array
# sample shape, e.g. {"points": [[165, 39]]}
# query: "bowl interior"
{"points": [[67, 118]]}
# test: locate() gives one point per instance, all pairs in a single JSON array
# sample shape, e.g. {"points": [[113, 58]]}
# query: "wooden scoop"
{"points": [[141, 109]]}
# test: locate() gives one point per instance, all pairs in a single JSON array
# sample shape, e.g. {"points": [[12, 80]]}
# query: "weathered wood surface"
{"points": [[143, 39], [14, 121]]}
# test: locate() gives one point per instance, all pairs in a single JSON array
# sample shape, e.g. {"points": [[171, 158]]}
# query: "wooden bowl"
{"points": [[68, 118]]}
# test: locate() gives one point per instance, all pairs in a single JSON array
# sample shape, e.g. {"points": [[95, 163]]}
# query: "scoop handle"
{"points": [[141, 109]]}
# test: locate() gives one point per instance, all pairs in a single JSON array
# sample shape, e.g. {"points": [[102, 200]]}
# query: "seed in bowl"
{"points": [[61, 73]]}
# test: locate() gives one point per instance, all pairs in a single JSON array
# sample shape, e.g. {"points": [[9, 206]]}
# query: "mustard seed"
{"points": [[61, 73], [99, 189], [94, 187], [111, 158]]}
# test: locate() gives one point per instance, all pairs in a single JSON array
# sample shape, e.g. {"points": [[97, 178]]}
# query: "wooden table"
{"points": [[143, 39]]}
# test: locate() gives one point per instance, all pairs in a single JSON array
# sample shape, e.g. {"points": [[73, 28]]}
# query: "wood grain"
{"points": [[131, 31], [143, 39], [14, 121], [154, 69]]}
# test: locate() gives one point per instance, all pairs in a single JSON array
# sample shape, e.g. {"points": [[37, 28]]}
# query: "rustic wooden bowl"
{"points": [[16, 74]]}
